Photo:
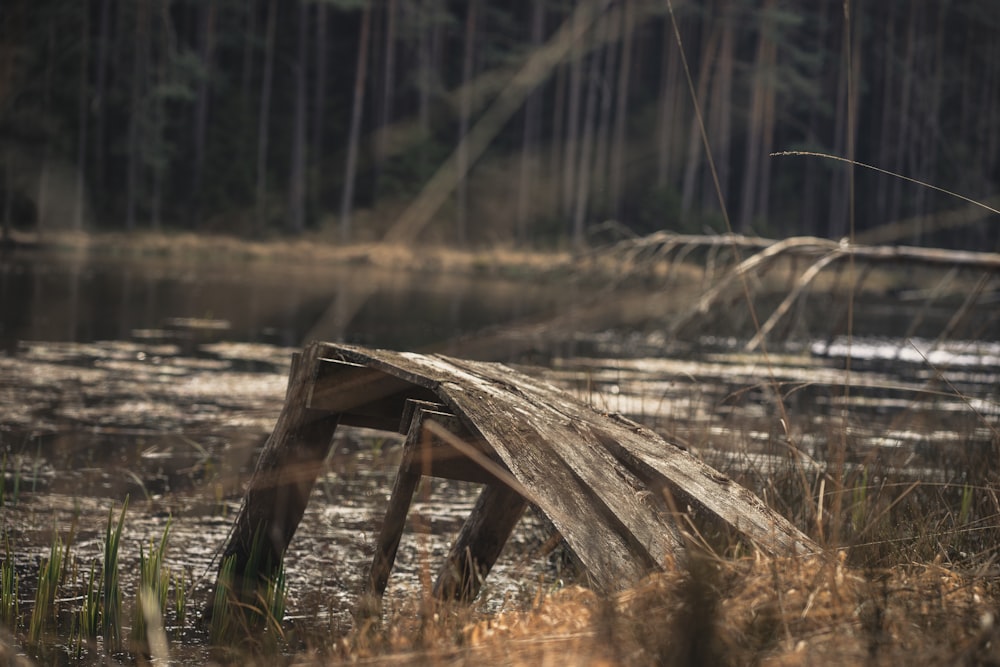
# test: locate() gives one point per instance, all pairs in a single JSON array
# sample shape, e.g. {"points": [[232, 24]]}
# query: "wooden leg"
{"points": [[392, 531], [479, 543], [370, 601], [282, 482]]}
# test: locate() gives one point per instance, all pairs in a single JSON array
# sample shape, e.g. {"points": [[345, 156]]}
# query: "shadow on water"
{"points": [[160, 381]]}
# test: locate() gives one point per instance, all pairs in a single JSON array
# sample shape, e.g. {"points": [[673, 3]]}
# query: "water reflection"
{"points": [[79, 299]]}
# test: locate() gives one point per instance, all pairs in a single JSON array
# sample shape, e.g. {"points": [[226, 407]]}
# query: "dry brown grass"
{"points": [[322, 249], [311, 249], [752, 611]]}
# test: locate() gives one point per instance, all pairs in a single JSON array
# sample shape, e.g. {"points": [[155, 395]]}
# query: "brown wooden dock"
{"points": [[616, 491]]}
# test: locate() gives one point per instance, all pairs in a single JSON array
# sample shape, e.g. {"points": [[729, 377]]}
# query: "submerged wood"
{"points": [[611, 487], [639, 254]]}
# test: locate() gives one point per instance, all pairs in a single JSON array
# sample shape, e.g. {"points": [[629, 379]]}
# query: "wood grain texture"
{"points": [[609, 485], [602, 479]]}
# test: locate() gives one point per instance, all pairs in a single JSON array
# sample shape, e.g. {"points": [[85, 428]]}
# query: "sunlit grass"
{"points": [[153, 588], [44, 613], [9, 606], [90, 607], [180, 599], [111, 594], [11, 498], [246, 611]]}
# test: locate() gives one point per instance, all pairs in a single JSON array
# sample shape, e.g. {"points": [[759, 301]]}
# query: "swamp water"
{"points": [[160, 381]]}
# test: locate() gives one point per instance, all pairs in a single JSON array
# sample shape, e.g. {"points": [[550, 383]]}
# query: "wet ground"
{"points": [[170, 406], [86, 425]]}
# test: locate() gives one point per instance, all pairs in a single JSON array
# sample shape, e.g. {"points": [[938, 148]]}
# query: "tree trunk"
{"points": [[887, 117], [319, 90], [249, 42], [158, 114], [767, 137], [585, 166], [607, 40], [988, 140], [814, 186], [845, 135], [750, 189], [424, 9], [529, 140], [263, 119], [721, 110], [388, 86], [621, 111], [297, 180], [207, 47], [558, 143], [572, 123], [931, 109], [465, 110], [708, 56], [135, 145], [101, 94], [83, 104], [667, 116], [8, 176], [902, 115], [354, 137]]}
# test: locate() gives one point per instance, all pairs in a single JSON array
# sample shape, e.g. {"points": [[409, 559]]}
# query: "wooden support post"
{"points": [[479, 543], [597, 477], [481, 539], [373, 587], [282, 481], [392, 530]]}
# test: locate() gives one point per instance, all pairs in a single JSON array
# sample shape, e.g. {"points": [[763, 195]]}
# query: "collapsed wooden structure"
{"points": [[611, 487]]}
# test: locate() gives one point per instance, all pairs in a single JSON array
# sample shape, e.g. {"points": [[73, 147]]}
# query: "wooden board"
{"points": [[608, 485], [599, 478], [664, 467]]}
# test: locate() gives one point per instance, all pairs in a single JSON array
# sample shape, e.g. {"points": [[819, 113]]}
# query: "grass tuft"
{"points": [[154, 584], [180, 599], [9, 609], [90, 608], [247, 612], [44, 614], [111, 600]]}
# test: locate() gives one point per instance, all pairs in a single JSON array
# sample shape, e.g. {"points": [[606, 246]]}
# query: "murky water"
{"points": [[161, 382], [88, 299]]}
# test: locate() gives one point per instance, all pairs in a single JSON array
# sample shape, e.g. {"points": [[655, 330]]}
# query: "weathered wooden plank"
{"points": [[606, 483], [559, 439], [391, 531], [343, 387], [658, 465], [412, 405], [505, 396], [615, 551], [479, 542], [286, 471], [390, 362], [421, 452], [433, 457], [664, 467]]}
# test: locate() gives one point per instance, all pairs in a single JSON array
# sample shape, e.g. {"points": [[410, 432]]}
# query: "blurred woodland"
{"points": [[534, 122]]}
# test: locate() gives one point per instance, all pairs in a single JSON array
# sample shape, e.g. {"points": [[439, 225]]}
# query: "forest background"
{"points": [[262, 118]]}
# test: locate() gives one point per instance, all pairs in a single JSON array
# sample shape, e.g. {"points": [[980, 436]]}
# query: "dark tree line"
{"points": [[260, 116]]}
